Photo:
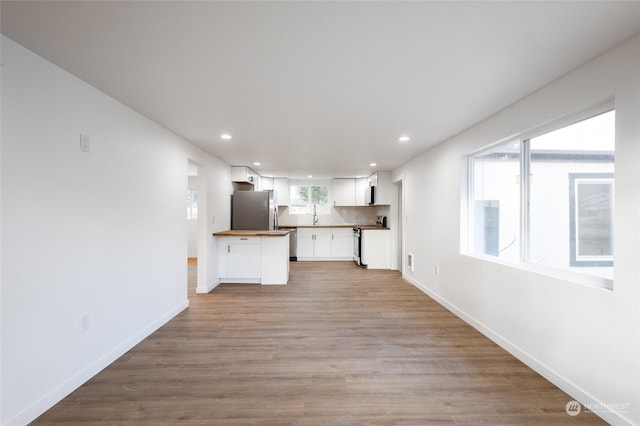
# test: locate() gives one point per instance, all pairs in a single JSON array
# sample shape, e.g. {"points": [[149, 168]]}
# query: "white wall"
{"points": [[584, 339], [214, 213], [1, 233], [100, 235]]}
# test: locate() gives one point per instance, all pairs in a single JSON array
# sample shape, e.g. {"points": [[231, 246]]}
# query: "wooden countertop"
{"points": [[366, 227], [318, 226], [251, 233]]}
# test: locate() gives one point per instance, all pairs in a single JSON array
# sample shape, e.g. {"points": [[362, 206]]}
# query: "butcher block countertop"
{"points": [[319, 226], [251, 233], [367, 227]]}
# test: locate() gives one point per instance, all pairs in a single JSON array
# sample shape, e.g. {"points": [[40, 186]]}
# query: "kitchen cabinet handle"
{"points": [[228, 249]]}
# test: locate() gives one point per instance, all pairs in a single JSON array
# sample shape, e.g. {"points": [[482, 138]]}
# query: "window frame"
{"points": [[309, 209], [575, 258], [467, 246], [470, 201]]}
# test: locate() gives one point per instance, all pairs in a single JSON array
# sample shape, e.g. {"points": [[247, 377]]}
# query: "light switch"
{"points": [[84, 322], [85, 143]]}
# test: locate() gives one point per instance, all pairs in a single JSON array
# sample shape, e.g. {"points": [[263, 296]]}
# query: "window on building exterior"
{"points": [[548, 199], [309, 198], [591, 219]]}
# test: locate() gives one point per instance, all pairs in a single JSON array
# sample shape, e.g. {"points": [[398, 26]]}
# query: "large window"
{"points": [[496, 202], [309, 198], [547, 199]]}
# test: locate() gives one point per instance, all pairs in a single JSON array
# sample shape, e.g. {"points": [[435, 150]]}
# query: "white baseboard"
{"points": [[240, 280], [325, 259], [56, 395], [208, 287], [545, 371]]}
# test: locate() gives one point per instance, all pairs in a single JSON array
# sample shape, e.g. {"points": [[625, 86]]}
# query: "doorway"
{"points": [[192, 226], [400, 227]]}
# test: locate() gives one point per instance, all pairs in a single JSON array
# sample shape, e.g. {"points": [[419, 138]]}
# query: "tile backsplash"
{"points": [[365, 215]]}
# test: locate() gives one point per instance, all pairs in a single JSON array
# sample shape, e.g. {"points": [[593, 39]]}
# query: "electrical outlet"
{"points": [[213, 220], [436, 270]]}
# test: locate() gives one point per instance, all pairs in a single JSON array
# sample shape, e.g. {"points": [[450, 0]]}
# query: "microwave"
{"points": [[370, 195]]}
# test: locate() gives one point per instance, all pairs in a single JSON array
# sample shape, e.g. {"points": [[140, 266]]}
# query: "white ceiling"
{"points": [[320, 88]]}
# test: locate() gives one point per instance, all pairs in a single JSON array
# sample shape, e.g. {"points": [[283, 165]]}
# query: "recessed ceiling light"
{"points": [[225, 136], [257, 163], [403, 138], [309, 176], [372, 164]]}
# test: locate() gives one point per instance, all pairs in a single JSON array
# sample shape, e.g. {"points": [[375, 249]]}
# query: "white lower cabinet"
{"points": [[342, 243], [314, 243], [322, 243], [305, 242], [253, 260], [376, 249], [243, 257], [325, 244], [275, 260]]}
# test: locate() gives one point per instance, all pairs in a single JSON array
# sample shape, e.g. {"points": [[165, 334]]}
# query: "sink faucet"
{"points": [[315, 215]]}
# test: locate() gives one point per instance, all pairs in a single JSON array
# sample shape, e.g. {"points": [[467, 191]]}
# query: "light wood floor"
{"points": [[339, 345]]}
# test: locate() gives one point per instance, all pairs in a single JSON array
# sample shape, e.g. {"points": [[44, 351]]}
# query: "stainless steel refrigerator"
{"points": [[254, 210]]}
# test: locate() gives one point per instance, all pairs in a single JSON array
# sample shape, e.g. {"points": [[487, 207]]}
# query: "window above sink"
{"points": [[304, 195]]}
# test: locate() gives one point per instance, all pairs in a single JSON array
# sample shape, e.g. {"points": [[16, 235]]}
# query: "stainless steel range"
{"points": [[357, 246]]}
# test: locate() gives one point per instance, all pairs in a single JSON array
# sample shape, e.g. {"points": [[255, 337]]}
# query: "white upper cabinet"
{"points": [[384, 189], [281, 187], [361, 185], [266, 183], [373, 179], [242, 174], [344, 192]]}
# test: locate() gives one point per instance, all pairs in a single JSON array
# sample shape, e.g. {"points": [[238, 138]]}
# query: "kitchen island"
{"points": [[253, 256]]}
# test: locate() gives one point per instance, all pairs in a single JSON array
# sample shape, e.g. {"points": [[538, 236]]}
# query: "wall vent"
{"points": [[410, 261]]}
